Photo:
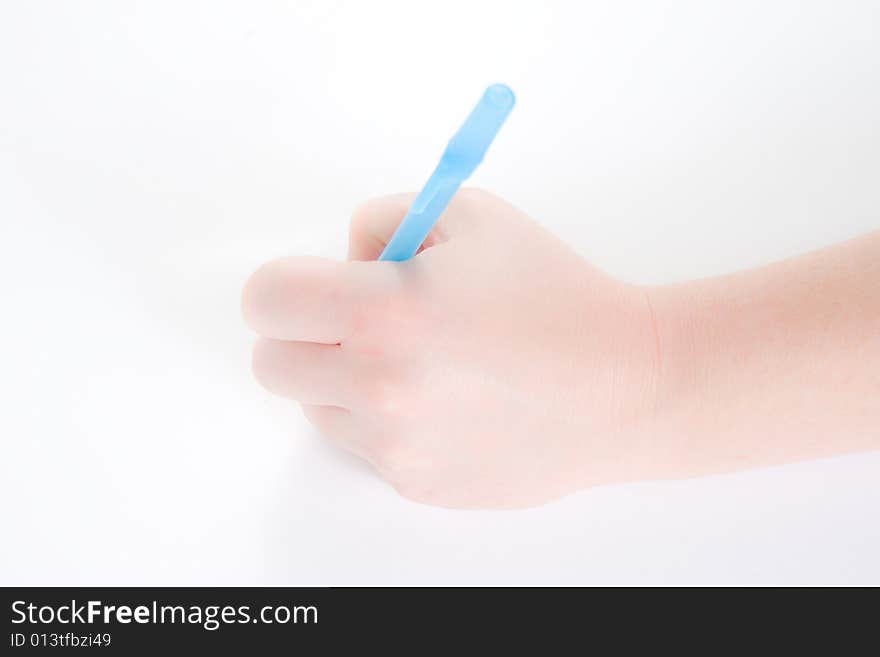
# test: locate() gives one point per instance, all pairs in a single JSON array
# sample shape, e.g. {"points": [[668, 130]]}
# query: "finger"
{"points": [[337, 425], [310, 299], [374, 222], [304, 371]]}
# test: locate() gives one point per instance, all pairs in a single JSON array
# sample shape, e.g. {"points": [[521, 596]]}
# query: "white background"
{"points": [[152, 154]]}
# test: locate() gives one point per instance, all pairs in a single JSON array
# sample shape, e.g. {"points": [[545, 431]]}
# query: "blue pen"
{"points": [[462, 155]]}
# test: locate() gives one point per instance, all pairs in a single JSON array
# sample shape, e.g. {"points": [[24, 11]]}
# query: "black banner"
{"points": [[332, 620]]}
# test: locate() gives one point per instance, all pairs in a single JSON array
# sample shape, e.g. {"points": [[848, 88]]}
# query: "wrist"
{"points": [[705, 377], [627, 395], [675, 313]]}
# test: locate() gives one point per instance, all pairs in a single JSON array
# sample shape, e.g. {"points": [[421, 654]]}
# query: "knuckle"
{"points": [[392, 452], [365, 213], [360, 216], [393, 395], [385, 397]]}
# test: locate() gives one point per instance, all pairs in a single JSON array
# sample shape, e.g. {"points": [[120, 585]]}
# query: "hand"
{"points": [[494, 369]]}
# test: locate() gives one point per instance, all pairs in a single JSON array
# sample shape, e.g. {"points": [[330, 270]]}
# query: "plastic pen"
{"points": [[463, 154]]}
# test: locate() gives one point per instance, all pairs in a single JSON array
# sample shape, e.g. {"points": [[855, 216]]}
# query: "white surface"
{"points": [[152, 154]]}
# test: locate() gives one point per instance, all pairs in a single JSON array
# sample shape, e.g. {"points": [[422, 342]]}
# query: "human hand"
{"points": [[494, 369]]}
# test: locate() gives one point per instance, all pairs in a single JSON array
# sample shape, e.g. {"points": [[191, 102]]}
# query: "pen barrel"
{"points": [[462, 155], [416, 225], [468, 146]]}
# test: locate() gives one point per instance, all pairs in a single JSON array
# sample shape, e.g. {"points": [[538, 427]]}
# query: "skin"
{"points": [[498, 369]]}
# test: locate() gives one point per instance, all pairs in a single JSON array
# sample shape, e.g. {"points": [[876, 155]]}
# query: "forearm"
{"points": [[772, 365]]}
